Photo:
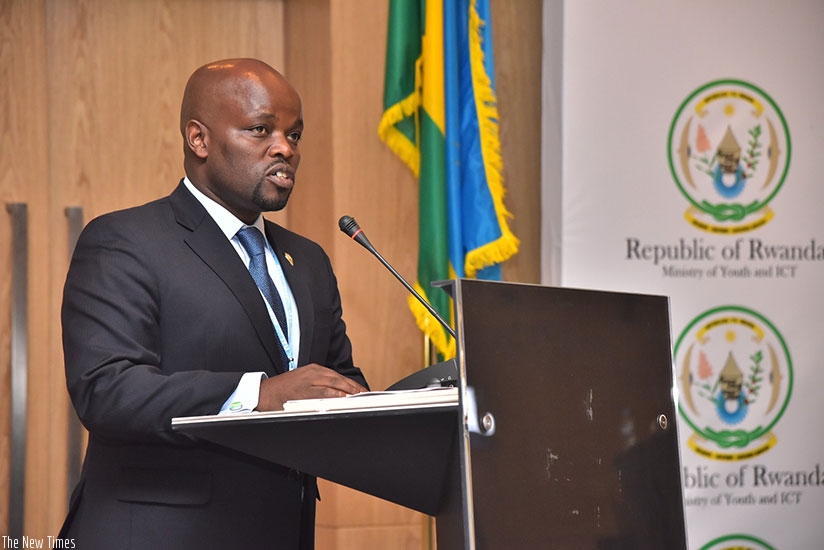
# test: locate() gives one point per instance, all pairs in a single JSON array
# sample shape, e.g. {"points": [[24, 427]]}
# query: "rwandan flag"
{"points": [[441, 118]]}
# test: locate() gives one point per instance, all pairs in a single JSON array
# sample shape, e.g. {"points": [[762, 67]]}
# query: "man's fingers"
{"points": [[328, 378], [307, 382], [345, 385]]}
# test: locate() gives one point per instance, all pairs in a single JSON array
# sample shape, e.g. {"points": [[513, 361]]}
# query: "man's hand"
{"points": [[307, 382]]}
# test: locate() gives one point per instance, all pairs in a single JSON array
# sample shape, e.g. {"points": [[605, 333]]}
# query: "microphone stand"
{"points": [[440, 374], [349, 226]]}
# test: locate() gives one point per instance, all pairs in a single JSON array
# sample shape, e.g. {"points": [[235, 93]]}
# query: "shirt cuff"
{"points": [[245, 397]]}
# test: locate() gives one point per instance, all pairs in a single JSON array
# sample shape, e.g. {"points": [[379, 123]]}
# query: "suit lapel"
{"points": [[303, 297], [210, 244]]}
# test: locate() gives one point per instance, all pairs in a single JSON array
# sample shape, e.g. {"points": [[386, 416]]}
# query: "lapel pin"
{"points": [[289, 258]]}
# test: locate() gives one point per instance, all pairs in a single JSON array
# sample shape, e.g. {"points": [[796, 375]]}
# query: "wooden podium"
{"points": [[563, 433]]}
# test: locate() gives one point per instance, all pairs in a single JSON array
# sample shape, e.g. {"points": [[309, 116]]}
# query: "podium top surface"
{"points": [[365, 403]]}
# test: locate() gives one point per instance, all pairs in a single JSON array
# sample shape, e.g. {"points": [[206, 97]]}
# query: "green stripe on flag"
{"points": [[439, 89]]}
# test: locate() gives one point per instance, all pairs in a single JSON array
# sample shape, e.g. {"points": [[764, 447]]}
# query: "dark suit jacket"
{"points": [[160, 319]]}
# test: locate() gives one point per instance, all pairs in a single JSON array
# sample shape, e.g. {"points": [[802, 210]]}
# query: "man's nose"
{"points": [[280, 146]]}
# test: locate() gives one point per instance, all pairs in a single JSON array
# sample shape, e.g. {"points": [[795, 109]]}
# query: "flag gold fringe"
{"points": [[486, 105], [407, 151], [409, 106], [430, 326]]}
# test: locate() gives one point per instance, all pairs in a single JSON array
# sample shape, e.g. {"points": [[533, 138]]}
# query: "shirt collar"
{"points": [[227, 221]]}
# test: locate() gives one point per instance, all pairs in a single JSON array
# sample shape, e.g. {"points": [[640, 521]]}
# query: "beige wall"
{"points": [[89, 98]]}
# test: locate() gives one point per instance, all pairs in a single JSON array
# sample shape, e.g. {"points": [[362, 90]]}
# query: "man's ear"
{"points": [[197, 138]]}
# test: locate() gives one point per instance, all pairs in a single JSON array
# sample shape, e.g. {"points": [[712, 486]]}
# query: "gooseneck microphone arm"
{"points": [[349, 226]]}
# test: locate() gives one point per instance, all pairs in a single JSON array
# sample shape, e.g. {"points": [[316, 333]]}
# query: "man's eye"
{"points": [[295, 136], [260, 130]]}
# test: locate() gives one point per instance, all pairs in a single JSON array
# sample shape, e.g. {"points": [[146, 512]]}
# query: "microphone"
{"points": [[349, 226]]}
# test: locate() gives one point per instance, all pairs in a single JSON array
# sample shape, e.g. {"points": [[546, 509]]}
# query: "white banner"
{"points": [[692, 139]]}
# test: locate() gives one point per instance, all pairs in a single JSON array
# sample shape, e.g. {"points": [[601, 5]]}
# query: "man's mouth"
{"points": [[281, 176]]}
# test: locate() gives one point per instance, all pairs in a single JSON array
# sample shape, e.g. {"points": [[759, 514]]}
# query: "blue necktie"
{"points": [[252, 240]]}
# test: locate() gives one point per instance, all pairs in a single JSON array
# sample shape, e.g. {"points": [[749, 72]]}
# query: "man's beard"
{"points": [[267, 204]]}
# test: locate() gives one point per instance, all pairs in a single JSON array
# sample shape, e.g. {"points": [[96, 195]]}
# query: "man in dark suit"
{"points": [[162, 318]]}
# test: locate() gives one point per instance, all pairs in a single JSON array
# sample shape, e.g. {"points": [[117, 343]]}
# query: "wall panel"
{"points": [[517, 46], [23, 178]]}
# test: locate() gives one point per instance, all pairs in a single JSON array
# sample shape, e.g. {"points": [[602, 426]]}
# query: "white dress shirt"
{"points": [[245, 396]]}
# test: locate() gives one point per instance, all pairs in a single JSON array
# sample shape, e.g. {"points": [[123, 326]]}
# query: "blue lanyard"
{"points": [[287, 309]]}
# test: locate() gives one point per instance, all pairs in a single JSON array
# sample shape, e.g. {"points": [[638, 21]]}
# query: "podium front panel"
{"points": [[579, 383], [401, 454]]}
